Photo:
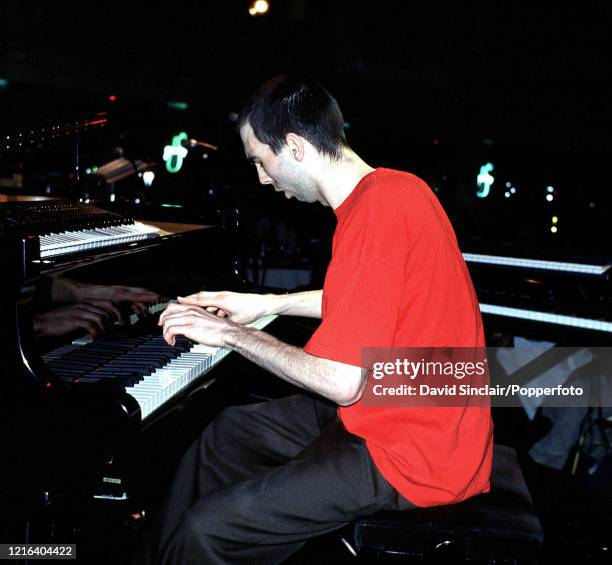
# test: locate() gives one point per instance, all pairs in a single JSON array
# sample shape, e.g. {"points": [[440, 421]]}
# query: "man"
{"points": [[264, 478]]}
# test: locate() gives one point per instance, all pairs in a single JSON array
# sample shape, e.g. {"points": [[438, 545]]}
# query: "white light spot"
{"points": [[148, 177]]}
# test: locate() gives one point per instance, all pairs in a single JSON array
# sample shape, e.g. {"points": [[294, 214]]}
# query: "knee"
{"points": [[206, 519], [196, 527], [207, 533]]}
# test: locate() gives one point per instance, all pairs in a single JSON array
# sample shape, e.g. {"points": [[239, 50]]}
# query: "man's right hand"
{"points": [[240, 308]]}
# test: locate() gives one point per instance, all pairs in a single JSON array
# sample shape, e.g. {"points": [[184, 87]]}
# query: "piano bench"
{"points": [[499, 526]]}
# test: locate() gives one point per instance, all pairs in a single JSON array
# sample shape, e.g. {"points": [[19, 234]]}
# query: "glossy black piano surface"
{"points": [[91, 419]]}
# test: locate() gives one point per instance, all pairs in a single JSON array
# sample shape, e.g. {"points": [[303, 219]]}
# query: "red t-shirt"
{"points": [[397, 279]]}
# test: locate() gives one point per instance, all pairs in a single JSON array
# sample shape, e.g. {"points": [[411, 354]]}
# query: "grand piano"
{"points": [[86, 417]]}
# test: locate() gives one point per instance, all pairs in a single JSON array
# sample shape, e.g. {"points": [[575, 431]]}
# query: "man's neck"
{"points": [[338, 178]]}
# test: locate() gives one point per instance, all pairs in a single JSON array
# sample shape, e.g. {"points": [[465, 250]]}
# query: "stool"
{"points": [[498, 526]]}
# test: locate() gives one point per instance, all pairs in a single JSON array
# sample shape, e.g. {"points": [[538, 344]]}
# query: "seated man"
{"points": [[264, 478]]}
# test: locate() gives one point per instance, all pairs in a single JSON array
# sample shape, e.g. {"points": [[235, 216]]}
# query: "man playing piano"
{"points": [[263, 478]]}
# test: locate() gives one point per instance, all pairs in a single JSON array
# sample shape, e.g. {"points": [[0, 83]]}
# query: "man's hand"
{"points": [[95, 316], [64, 290], [240, 308], [339, 382], [195, 323], [116, 293]]}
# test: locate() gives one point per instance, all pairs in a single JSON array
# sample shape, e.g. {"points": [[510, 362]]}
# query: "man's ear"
{"points": [[295, 144]]}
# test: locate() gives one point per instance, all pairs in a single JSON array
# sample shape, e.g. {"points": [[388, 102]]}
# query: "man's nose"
{"points": [[263, 176]]}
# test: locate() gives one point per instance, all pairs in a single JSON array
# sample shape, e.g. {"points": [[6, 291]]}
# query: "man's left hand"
{"points": [[195, 323]]}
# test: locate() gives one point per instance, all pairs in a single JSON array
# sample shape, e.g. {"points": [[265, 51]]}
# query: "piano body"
{"points": [[75, 408]]}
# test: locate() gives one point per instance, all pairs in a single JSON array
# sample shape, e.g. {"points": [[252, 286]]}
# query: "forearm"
{"points": [[338, 382], [64, 290], [306, 303]]}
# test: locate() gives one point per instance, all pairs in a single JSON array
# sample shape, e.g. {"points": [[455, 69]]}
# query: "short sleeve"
{"points": [[361, 305]]}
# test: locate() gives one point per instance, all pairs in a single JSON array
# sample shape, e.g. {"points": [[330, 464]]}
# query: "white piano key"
{"points": [[539, 316], [566, 267], [52, 245]]}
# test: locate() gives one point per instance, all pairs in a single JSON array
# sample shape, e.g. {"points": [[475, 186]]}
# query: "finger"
{"points": [[100, 321], [86, 325], [102, 317], [140, 308], [193, 301], [172, 309], [190, 316], [141, 297], [203, 298], [174, 328], [107, 305], [133, 294], [89, 307]]}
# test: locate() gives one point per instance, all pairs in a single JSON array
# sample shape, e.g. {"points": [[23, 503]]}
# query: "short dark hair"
{"points": [[290, 104]]}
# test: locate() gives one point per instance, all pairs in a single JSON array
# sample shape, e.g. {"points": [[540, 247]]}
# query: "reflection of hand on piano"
{"points": [[95, 316], [240, 308], [64, 290]]}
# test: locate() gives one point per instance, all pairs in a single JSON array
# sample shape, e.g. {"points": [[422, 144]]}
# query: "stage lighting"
{"points": [[259, 7], [148, 177], [484, 180]]}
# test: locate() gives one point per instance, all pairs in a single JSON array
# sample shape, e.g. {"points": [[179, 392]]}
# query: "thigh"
{"points": [[329, 483], [240, 443], [246, 439]]}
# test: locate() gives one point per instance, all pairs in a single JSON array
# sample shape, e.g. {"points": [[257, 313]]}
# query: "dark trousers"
{"points": [[261, 480]]}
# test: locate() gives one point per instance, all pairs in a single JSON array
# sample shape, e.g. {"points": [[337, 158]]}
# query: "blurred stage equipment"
{"points": [[193, 143], [35, 138], [121, 168]]}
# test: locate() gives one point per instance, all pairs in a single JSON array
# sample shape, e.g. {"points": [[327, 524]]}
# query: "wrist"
{"points": [[65, 291], [79, 291], [235, 335], [277, 303]]}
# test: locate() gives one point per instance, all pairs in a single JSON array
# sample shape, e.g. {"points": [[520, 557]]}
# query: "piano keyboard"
{"points": [[521, 262], [150, 370], [547, 317], [162, 384], [62, 243]]}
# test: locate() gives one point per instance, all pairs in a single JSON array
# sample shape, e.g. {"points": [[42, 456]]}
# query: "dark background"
{"points": [[434, 88]]}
